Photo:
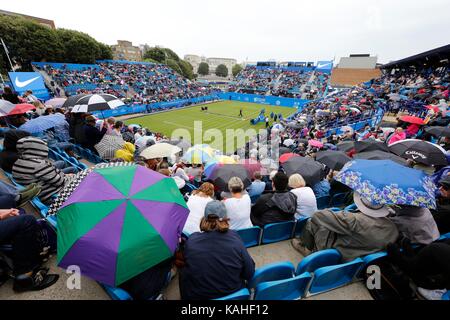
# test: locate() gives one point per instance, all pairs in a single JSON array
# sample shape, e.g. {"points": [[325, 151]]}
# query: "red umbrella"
{"points": [[13, 109], [285, 157], [413, 120], [252, 166]]}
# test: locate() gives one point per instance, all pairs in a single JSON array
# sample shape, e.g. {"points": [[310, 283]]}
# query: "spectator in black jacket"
{"points": [[277, 206], [8, 95], [9, 154], [92, 134], [216, 262]]}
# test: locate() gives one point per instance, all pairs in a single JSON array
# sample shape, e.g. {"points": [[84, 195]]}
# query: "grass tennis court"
{"points": [[221, 116]]}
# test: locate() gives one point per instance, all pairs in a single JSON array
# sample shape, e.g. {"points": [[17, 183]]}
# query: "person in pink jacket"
{"points": [[399, 135]]}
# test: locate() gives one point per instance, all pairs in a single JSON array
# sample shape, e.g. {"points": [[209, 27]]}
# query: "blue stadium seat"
{"points": [[369, 260], [446, 296], [338, 200], [242, 294], [323, 202], [445, 236], [116, 293], [42, 208], [332, 277], [53, 221], [288, 289], [253, 199], [351, 208], [277, 232], [250, 236], [272, 272], [299, 226], [318, 260]]}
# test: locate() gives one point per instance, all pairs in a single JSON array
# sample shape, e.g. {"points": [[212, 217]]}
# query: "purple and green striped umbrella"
{"points": [[119, 222]]}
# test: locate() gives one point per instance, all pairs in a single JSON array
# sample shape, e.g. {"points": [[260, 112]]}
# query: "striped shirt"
{"points": [[33, 166]]}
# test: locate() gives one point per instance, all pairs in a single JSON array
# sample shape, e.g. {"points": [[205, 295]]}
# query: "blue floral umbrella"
{"points": [[389, 183]]}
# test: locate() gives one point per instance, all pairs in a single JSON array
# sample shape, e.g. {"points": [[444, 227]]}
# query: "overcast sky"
{"points": [[255, 30]]}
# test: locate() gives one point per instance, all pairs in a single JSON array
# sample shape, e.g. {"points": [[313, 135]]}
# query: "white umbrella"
{"points": [[160, 150], [142, 142], [288, 142]]}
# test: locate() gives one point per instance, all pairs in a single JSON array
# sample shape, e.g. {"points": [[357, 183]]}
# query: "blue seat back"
{"points": [[318, 260], [288, 289], [332, 277], [250, 236], [369, 260], [323, 202], [338, 199], [278, 232], [351, 208], [272, 272], [242, 294], [446, 296], [299, 226], [117, 293]]}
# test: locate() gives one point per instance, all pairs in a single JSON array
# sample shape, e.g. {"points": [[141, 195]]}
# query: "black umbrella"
{"points": [[439, 131], [334, 160], [370, 145], [284, 150], [72, 100], [346, 146], [380, 155], [420, 151], [312, 171], [222, 174], [97, 102]]}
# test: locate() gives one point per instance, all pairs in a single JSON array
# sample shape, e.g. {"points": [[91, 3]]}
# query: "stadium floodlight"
{"points": [[7, 54]]}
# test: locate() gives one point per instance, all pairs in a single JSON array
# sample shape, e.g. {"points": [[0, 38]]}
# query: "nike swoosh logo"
{"points": [[21, 84], [320, 66]]}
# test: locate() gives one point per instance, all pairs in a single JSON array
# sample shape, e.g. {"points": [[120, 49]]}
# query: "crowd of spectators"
{"points": [[281, 82], [213, 261], [135, 83]]}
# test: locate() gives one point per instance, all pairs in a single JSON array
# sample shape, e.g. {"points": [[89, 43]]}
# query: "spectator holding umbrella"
{"points": [[399, 135], [353, 234], [8, 95], [92, 135]]}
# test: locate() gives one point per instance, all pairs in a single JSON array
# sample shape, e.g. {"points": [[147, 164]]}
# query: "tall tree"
{"points": [[203, 69], [236, 69], [222, 70], [186, 69], [156, 54], [29, 41]]}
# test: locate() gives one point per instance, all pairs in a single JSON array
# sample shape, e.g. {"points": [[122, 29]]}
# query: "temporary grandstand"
{"points": [[355, 69]]}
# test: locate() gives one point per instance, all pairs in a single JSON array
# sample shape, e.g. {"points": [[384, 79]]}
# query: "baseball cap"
{"points": [[216, 208]]}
